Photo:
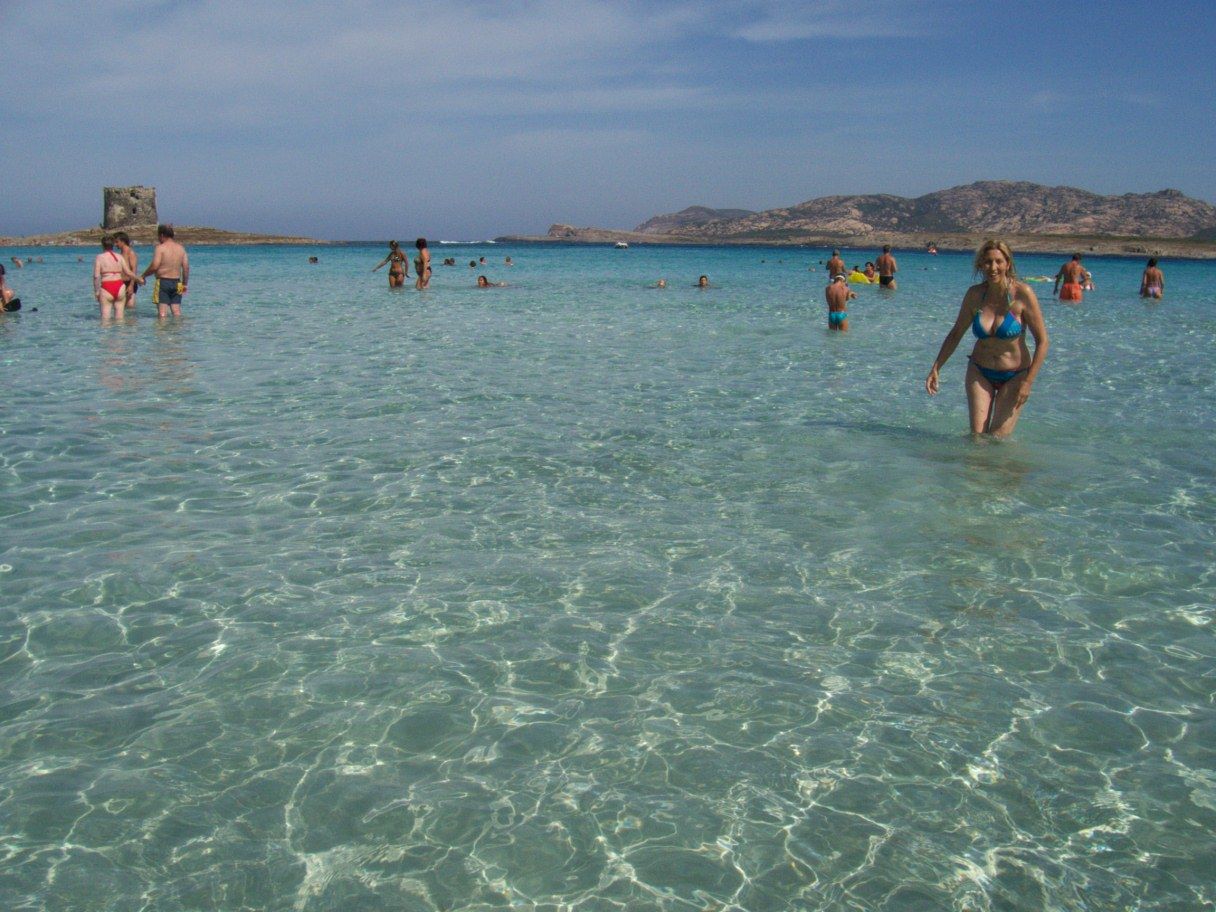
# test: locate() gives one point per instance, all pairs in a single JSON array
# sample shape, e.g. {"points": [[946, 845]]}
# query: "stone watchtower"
{"points": [[127, 207]]}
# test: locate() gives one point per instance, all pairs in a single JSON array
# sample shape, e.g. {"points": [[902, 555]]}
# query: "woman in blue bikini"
{"points": [[1001, 371]]}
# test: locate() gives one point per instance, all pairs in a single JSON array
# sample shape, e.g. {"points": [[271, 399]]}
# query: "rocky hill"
{"points": [[691, 217], [999, 207]]}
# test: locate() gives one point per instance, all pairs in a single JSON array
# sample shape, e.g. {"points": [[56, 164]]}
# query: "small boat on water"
{"points": [[621, 245]]}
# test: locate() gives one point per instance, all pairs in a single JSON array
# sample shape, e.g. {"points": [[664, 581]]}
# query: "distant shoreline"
{"points": [[1054, 244], [146, 234], [1057, 244]]}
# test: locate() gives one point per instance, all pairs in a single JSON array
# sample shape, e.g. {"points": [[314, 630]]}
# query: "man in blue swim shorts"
{"points": [[172, 268], [838, 297]]}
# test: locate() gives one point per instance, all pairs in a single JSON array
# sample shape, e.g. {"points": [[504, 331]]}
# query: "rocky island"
{"points": [[146, 234], [133, 210], [1032, 217]]}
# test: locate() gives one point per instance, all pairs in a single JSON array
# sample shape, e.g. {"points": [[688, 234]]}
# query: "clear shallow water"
{"points": [[579, 595]]}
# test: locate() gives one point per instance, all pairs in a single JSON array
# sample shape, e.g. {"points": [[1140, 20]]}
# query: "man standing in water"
{"points": [[886, 268], [835, 265], [1073, 274], [172, 268], [838, 297], [123, 242]]}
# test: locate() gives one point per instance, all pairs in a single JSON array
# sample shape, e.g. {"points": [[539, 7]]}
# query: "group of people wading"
{"points": [[115, 281], [399, 265], [999, 311]]}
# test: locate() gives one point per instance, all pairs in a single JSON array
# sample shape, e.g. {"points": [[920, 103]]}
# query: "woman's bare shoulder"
{"points": [[1023, 292]]}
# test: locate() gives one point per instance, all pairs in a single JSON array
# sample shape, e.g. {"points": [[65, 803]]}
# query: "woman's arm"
{"points": [[1032, 318], [950, 343], [382, 262]]}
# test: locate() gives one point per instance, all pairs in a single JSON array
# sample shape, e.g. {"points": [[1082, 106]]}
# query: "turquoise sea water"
{"points": [[578, 595]]}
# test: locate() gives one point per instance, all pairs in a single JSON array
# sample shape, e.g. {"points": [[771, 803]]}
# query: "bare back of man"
{"points": [[1072, 274], [886, 269], [123, 242], [171, 266], [838, 295]]}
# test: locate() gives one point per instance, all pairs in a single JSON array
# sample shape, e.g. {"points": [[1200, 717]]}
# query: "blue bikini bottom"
{"points": [[997, 377]]}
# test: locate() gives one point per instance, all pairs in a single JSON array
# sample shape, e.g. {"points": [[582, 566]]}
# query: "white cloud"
{"points": [[449, 106], [283, 72], [859, 20]]}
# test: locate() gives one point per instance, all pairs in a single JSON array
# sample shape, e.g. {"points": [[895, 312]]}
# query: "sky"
{"points": [[464, 120]]}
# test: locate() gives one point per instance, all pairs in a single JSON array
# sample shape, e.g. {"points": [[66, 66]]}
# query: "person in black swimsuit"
{"points": [[422, 265]]}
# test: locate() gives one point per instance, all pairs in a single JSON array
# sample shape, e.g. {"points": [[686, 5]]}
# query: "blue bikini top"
{"points": [[1010, 328]]}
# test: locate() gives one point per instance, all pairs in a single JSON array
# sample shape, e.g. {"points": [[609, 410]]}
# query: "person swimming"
{"points": [[1001, 371], [703, 282]]}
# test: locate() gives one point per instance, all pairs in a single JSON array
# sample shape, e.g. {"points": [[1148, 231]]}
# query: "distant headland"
{"points": [[133, 210], [146, 234], [1032, 217]]}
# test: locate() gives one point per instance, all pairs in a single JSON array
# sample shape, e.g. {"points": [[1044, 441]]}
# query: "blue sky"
{"points": [[464, 119]]}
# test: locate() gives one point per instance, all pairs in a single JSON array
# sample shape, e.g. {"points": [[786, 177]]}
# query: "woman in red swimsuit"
{"points": [[110, 276]]}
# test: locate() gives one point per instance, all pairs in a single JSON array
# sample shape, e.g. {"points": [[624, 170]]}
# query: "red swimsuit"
{"points": [[113, 286]]}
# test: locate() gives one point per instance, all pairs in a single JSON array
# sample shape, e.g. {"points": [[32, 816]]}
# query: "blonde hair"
{"points": [[1003, 248]]}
